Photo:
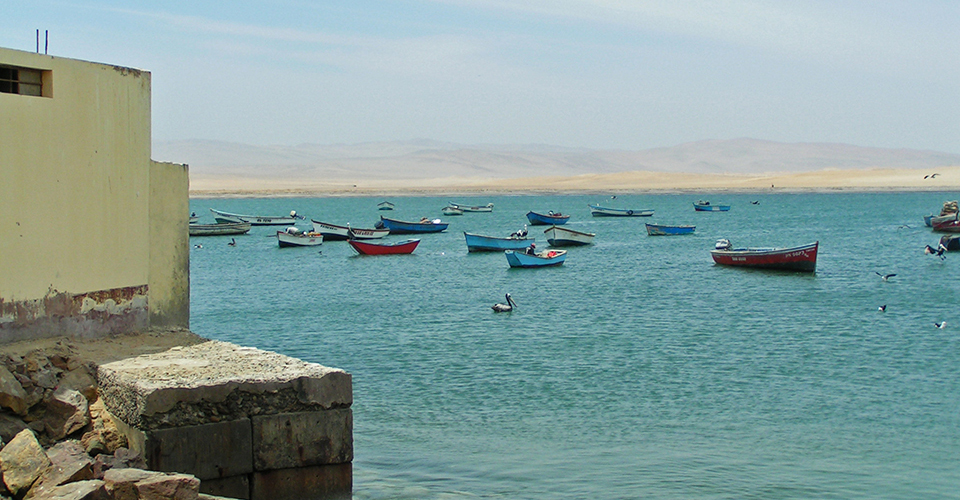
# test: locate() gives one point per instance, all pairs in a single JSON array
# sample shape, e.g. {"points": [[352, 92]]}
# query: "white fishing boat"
{"points": [[473, 208], [333, 232], [295, 237], [558, 236], [257, 220]]}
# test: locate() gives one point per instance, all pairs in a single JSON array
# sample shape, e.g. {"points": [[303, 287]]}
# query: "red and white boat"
{"points": [[400, 247], [802, 258]]}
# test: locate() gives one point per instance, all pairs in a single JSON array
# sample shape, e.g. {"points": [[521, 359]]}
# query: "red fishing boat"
{"points": [[400, 247], [802, 258]]}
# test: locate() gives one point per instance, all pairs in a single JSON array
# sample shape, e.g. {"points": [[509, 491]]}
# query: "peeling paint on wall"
{"points": [[91, 314]]}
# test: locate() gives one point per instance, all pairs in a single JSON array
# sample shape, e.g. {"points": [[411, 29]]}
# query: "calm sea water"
{"points": [[638, 369]]}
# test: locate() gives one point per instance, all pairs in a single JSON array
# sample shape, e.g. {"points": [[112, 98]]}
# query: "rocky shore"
{"points": [[57, 439]]}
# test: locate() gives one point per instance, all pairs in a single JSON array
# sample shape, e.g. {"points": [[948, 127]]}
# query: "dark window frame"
{"points": [[21, 81]]}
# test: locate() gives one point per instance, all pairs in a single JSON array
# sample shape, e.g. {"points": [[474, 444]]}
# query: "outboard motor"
{"points": [[723, 244], [296, 231]]}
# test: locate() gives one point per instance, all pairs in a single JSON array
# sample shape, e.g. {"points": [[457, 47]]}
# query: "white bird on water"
{"points": [[882, 308], [940, 325], [505, 307]]}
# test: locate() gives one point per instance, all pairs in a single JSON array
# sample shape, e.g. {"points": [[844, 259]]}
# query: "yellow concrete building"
{"points": [[93, 233]]}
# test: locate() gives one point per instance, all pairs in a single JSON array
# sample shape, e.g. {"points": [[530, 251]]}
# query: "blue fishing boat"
{"points": [[480, 243], [705, 206], [539, 259], [664, 230], [551, 218], [402, 227], [598, 211]]}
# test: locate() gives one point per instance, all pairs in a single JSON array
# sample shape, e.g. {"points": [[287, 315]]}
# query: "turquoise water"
{"points": [[638, 369]]}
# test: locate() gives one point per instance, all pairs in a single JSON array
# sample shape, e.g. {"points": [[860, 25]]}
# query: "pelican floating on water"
{"points": [[233, 242], [505, 307]]}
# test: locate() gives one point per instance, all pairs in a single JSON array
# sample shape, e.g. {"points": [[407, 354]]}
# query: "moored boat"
{"points": [[257, 220], [564, 237], [333, 232], [219, 229], [384, 205], [801, 258], [950, 224], [705, 206], [480, 243], [295, 237], [370, 248], [550, 218], [473, 208], [403, 227], [598, 211], [540, 259], [666, 230], [951, 242], [451, 210], [928, 220]]}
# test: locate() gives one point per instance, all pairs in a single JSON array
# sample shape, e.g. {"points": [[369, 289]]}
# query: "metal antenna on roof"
{"points": [[38, 40], [46, 40]]}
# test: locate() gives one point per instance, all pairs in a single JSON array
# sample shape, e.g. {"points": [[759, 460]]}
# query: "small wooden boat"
{"points": [[480, 243], [802, 258], [194, 218], [333, 232], [598, 211], [474, 208], [368, 248], [949, 225], [551, 218], [257, 220], [563, 237], [384, 205], [540, 259], [705, 206], [402, 227], [451, 210], [219, 229], [294, 237], [951, 242], [664, 230]]}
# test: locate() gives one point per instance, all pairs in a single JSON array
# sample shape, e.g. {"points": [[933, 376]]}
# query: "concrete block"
{"points": [[320, 482], [210, 451], [216, 381], [303, 439], [229, 487]]}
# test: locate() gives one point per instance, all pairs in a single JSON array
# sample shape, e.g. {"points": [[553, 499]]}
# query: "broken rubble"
{"points": [[22, 461]]}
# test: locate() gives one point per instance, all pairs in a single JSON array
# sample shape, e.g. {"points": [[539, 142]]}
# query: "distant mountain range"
{"points": [[418, 159]]}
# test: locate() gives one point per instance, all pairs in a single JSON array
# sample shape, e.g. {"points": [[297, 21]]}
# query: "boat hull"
{"points": [[402, 227], [398, 248], [802, 258], [546, 219], [542, 259], [564, 237], [333, 232], [598, 211], [662, 230], [255, 220], [384, 205], [951, 242], [480, 243], [467, 208], [452, 211], [219, 229], [946, 224], [711, 208], [285, 239]]}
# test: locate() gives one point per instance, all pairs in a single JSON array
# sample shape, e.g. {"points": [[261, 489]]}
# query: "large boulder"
{"points": [[80, 490], [10, 426], [169, 487], [12, 395], [22, 461]]}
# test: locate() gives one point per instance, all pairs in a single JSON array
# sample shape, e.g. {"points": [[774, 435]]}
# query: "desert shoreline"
{"points": [[636, 182]]}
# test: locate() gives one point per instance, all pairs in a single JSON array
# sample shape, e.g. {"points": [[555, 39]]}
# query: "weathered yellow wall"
{"points": [[169, 277], [75, 195]]}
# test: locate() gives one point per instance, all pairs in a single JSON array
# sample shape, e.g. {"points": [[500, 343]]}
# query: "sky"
{"points": [[599, 74]]}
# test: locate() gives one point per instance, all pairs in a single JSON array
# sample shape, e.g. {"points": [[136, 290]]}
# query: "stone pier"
{"points": [[248, 423]]}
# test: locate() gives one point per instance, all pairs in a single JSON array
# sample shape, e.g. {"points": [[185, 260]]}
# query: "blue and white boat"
{"points": [[480, 243], [550, 218], [473, 208], [598, 211], [540, 259], [665, 230], [402, 227], [705, 206]]}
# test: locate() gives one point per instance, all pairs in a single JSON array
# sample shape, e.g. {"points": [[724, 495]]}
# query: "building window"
{"points": [[23, 81]]}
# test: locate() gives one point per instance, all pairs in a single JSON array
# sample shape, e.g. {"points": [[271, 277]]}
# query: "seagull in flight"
{"points": [[882, 308], [940, 325], [198, 246], [930, 176], [929, 250], [757, 202], [885, 277]]}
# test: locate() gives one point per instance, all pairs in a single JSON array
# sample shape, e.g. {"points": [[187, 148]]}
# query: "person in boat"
{"points": [[532, 249], [424, 220]]}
